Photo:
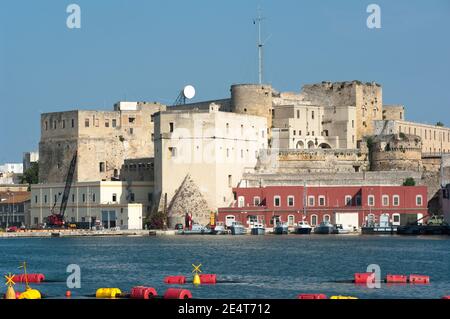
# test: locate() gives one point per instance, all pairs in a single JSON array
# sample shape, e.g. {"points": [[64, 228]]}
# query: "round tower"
{"points": [[252, 99]]}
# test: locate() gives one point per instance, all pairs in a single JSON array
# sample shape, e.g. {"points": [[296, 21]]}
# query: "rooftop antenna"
{"points": [[188, 92], [260, 44]]}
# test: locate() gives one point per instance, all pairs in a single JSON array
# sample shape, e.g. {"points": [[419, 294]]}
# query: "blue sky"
{"points": [[147, 50]]}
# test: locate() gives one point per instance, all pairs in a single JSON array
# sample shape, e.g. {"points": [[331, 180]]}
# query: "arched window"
{"points": [[326, 218], [291, 220], [241, 201], [313, 220], [300, 145]]}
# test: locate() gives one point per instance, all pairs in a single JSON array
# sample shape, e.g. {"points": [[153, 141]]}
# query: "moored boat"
{"points": [[281, 229], [237, 229], [324, 228], [196, 229], [340, 230], [258, 229], [303, 228]]}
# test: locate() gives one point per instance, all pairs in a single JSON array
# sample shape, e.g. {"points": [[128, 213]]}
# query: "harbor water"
{"points": [[247, 267]]}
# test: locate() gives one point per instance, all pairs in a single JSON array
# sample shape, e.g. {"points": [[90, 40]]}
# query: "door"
{"points": [[229, 220]]}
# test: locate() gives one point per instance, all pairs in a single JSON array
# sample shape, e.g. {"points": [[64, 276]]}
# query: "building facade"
{"points": [[111, 203], [14, 208], [210, 146], [29, 158], [315, 204], [102, 139]]}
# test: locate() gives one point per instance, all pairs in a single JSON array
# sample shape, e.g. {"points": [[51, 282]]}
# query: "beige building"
{"points": [[110, 203], [210, 146], [435, 139], [103, 140]]}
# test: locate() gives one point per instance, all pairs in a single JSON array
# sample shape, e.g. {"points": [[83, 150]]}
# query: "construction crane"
{"points": [[57, 219]]}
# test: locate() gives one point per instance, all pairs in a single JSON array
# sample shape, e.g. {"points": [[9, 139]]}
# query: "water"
{"points": [[249, 266]]}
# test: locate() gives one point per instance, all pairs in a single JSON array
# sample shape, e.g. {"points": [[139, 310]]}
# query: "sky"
{"points": [[145, 50]]}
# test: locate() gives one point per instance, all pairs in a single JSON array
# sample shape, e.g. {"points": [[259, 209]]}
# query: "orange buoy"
{"points": [[396, 279], [364, 278], [175, 280], [141, 292], [419, 279], [68, 293], [311, 296], [208, 279], [175, 293]]}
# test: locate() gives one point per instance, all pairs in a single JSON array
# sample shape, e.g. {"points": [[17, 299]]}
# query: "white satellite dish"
{"points": [[189, 92]]}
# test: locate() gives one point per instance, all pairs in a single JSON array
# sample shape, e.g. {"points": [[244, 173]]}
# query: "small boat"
{"points": [[339, 230], [196, 229], [258, 229], [303, 228], [219, 229], [281, 229], [238, 229], [324, 228]]}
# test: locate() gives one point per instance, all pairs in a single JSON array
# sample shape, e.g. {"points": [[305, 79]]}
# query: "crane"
{"points": [[57, 219]]}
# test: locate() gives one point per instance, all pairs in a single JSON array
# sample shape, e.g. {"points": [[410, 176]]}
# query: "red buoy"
{"points": [[364, 278], [396, 279], [175, 293], [141, 292], [446, 297], [311, 296], [175, 280], [32, 278], [208, 279], [68, 293], [419, 279]]}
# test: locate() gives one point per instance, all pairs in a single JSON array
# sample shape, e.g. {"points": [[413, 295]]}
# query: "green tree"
{"points": [[440, 124], [409, 182], [31, 175]]}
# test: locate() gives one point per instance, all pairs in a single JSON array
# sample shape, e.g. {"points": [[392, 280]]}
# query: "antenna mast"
{"points": [[260, 46]]}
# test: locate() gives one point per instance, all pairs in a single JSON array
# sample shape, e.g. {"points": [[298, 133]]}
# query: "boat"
{"points": [[280, 229], [324, 228], [303, 228], [339, 230], [237, 229], [196, 229], [258, 229], [219, 229]]}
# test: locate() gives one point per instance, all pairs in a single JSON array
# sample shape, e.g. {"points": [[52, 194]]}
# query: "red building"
{"points": [[352, 205]]}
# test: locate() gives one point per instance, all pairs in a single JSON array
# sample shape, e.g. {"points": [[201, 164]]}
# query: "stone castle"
{"points": [[189, 157]]}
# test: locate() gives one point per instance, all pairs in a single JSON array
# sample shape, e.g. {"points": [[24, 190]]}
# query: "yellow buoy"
{"points": [[30, 294], [107, 293], [10, 293], [342, 297], [196, 280]]}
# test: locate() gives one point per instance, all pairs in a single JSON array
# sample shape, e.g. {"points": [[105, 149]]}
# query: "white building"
{"points": [[213, 147], [112, 203], [14, 168]]}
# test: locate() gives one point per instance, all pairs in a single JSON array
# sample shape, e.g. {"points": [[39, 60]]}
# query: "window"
{"points": [[311, 200], [97, 123], [353, 123], [114, 198], [102, 167], [46, 125], [385, 200], [152, 118], [35, 199], [256, 201], [73, 198], [36, 220], [171, 127], [312, 115], [396, 219], [419, 200], [131, 120], [83, 219], [131, 131], [294, 132], [114, 123], [396, 200], [45, 198], [106, 123], [228, 152], [54, 125], [321, 200], [86, 122], [228, 127], [290, 201], [291, 220], [56, 198], [64, 124], [93, 197], [241, 201], [313, 220], [153, 137], [84, 198], [277, 201], [73, 123], [131, 197], [173, 151], [298, 114], [326, 218], [371, 200], [348, 200], [230, 181]]}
